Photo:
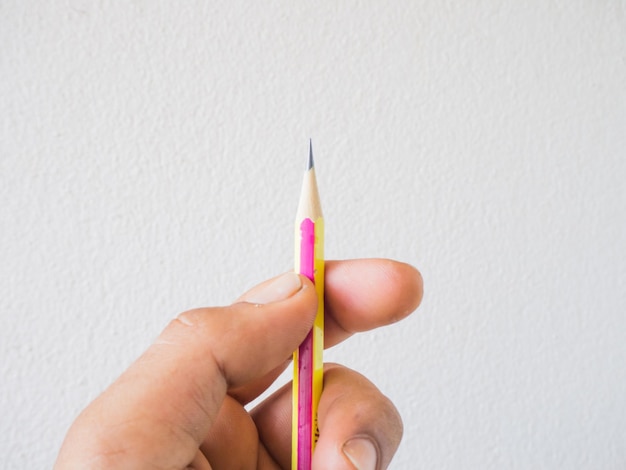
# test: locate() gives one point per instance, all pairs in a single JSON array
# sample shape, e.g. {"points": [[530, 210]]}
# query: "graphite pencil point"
{"points": [[310, 164]]}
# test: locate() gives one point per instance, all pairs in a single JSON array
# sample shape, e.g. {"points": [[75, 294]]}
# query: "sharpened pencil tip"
{"points": [[310, 164]]}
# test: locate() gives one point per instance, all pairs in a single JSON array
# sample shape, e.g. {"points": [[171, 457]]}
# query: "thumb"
{"points": [[163, 406], [255, 334]]}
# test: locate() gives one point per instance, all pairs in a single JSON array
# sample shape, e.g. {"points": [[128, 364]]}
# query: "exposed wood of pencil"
{"points": [[309, 206]]}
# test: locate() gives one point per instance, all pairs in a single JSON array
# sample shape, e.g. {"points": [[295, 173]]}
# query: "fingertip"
{"points": [[359, 426], [369, 293], [362, 452], [274, 290], [409, 285]]}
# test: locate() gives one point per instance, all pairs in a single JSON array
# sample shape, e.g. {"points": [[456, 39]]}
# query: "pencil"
{"points": [[307, 359]]}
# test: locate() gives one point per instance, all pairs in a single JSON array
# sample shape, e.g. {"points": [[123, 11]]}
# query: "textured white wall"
{"points": [[150, 162]]}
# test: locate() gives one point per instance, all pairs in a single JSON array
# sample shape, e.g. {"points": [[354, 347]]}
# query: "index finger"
{"points": [[364, 294]]}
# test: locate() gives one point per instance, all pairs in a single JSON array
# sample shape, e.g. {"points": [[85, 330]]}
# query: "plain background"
{"points": [[151, 158]]}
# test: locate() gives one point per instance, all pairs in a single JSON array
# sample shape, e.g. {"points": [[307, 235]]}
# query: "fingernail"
{"points": [[281, 288], [361, 452]]}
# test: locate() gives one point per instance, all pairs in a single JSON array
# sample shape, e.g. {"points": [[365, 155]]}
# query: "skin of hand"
{"points": [[181, 404]]}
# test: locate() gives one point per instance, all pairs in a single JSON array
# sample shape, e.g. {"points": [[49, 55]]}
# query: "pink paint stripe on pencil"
{"points": [[305, 355]]}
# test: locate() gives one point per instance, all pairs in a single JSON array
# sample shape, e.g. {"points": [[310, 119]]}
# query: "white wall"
{"points": [[150, 162]]}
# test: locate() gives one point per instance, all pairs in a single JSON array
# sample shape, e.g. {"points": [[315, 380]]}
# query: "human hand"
{"points": [[181, 404]]}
